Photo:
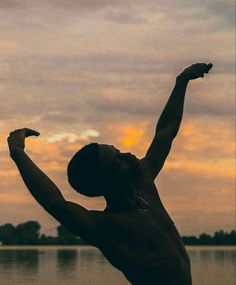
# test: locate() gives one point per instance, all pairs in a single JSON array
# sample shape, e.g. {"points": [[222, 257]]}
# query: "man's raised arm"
{"points": [[171, 117], [73, 216]]}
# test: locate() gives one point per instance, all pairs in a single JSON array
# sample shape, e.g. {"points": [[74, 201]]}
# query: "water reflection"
{"points": [[225, 255], [213, 265], [66, 261], [86, 266], [213, 254], [23, 262], [89, 254]]}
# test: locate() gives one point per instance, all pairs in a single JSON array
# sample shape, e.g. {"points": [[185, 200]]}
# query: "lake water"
{"points": [[87, 266]]}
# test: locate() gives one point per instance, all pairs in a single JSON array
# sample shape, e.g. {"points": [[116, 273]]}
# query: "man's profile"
{"points": [[134, 232]]}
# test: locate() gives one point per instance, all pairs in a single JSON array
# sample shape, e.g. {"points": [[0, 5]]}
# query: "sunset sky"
{"points": [[85, 71]]}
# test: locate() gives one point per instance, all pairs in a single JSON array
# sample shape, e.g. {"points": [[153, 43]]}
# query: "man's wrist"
{"points": [[15, 153], [182, 78]]}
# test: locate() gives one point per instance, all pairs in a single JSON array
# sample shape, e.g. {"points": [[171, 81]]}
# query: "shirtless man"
{"points": [[134, 232]]}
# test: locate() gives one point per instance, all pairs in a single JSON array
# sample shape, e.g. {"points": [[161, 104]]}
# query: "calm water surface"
{"points": [[86, 266]]}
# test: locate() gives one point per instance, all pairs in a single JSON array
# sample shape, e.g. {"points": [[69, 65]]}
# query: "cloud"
{"points": [[125, 17], [190, 196], [81, 6], [72, 137], [222, 8], [204, 222]]}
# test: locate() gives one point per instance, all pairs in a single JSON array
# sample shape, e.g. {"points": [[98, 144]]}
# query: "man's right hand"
{"points": [[16, 139], [195, 71]]}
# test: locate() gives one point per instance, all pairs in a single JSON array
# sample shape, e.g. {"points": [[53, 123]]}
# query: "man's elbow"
{"points": [[167, 134], [54, 207]]}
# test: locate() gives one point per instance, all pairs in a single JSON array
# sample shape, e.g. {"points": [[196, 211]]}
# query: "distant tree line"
{"points": [[218, 238], [28, 233]]}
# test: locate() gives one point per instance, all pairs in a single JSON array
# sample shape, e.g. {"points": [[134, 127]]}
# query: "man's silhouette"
{"points": [[134, 232]]}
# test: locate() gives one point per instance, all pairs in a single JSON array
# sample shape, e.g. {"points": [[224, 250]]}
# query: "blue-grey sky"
{"points": [[83, 71]]}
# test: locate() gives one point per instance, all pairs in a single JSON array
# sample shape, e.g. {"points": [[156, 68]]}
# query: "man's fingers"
{"points": [[196, 70], [30, 132], [209, 66], [26, 131]]}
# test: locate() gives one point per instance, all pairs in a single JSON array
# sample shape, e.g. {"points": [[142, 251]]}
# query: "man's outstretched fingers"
{"points": [[209, 66], [30, 132]]}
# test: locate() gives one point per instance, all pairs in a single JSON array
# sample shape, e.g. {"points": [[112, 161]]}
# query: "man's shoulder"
{"points": [[146, 167], [145, 185], [145, 179]]}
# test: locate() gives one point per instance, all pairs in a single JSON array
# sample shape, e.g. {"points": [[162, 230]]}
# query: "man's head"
{"points": [[97, 168]]}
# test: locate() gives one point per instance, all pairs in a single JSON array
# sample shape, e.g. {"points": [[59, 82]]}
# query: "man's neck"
{"points": [[131, 201], [120, 202]]}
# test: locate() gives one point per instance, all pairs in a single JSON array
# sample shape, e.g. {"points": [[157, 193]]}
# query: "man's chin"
{"points": [[130, 175], [134, 173], [136, 169]]}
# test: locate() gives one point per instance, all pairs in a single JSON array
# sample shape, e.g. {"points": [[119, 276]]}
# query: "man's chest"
{"points": [[137, 238]]}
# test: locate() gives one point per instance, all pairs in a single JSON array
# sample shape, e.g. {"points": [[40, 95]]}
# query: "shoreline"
{"points": [[190, 247]]}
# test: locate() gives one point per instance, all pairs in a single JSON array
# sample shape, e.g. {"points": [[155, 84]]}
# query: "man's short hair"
{"points": [[83, 171]]}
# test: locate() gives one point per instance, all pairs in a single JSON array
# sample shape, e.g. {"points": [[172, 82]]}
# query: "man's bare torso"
{"points": [[144, 243]]}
